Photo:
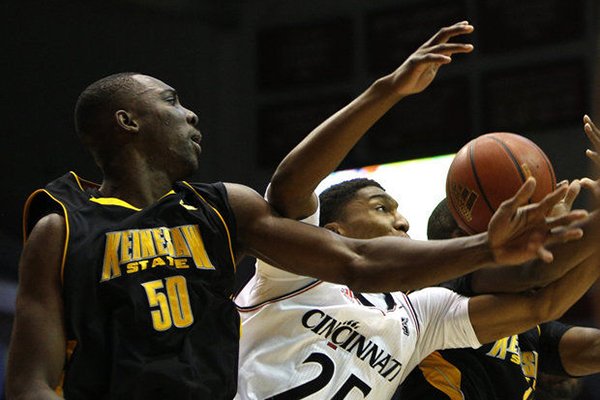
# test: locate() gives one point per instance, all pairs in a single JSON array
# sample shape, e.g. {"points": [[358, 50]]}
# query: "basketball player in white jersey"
{"points": [[305, 338]]}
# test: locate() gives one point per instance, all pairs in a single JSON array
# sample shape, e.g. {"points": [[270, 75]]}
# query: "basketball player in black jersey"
{"points": [[125, 286]]}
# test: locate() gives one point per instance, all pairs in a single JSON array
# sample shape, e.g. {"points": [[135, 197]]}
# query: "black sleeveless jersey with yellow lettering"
{"points": [[504, 370], [148, 313]]}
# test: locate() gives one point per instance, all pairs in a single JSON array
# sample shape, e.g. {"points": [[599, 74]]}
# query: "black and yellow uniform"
{"points": [[146, 292], [504, 370]]}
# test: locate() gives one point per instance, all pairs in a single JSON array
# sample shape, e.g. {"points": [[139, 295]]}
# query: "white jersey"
{"points": [[320, 342]]}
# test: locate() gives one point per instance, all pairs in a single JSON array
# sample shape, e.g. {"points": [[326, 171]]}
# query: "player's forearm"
{"points": [[381, 264], [522, 311], [417, 264], [555, 299], [325, 147]]}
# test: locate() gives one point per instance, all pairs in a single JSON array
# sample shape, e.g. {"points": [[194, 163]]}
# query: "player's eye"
{"points": [[380, 208]]}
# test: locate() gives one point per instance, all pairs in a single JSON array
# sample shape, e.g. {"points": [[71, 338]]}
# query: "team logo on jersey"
{"points": [[136, 250], [349, 294], [405, 326], [508, 348], [345, 335]]}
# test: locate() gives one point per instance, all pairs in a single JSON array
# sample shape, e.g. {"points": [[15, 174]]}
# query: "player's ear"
{"points": [[334, 227], [126, 121]]}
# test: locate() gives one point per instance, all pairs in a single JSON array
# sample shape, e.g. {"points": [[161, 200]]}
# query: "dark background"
{"points": [[261, 74]]}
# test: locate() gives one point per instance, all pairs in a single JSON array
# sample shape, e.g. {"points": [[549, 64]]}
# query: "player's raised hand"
{"points": [[519, 232], [420, 68], [593, 133]]}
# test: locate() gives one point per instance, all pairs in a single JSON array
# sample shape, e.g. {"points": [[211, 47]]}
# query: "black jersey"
{"points": [[504, 370], [147, 292]]}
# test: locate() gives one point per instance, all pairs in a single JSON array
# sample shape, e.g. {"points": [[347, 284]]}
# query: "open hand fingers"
{"points": [[563, 235], [592, 132], [566, 219], [544, 254], [521, 197], [557, 235], [572, 193], [444, 34], [594, 156], [553, 198], [449, 48]]}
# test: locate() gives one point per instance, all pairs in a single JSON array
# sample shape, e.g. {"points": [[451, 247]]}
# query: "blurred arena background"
{"points": [[261, 74]]}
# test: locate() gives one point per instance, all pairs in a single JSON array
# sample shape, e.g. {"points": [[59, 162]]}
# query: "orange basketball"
{"points": [[490, 169]]}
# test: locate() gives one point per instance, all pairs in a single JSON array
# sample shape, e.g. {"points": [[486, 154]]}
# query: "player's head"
{"points": [[360, 208], [441, 223], [138, 114]]}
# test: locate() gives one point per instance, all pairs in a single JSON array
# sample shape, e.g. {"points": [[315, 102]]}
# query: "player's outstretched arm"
{"points": [[393, 263], [37, 348], [294, 181], [520, 312]]}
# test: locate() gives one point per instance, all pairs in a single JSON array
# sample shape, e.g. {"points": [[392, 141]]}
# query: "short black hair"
{"points": [[441, 223], [99, 100], [333, 199]]}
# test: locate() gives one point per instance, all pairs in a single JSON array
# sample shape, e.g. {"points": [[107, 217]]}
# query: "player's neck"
{"points": [[139, 188]]}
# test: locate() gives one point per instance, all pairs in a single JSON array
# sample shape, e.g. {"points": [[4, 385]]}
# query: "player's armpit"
{"points": [[37, 348]]}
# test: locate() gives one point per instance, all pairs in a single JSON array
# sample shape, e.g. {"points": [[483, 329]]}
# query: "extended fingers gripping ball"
{"points": [[490, 169]]}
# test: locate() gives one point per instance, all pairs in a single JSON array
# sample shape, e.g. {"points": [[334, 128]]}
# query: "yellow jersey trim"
{"points": [[222, 220], [442, 375], [113, 201], [68, 228]]}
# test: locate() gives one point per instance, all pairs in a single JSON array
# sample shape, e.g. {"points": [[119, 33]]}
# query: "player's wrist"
{"points": [[485, 255], [387, 89]]}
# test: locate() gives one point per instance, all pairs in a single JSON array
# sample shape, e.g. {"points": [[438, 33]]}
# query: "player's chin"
{"points": [[190, 166]]}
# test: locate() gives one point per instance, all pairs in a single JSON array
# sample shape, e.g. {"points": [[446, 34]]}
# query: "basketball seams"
{"points": [[477, 180], [550, 168], [511, 156]]}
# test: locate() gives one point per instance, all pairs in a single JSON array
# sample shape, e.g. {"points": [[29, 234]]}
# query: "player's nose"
{"points": [[192, 118], [401, 223]]}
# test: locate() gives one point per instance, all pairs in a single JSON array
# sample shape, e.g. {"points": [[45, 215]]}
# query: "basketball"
{"points": [[490, 169]]}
